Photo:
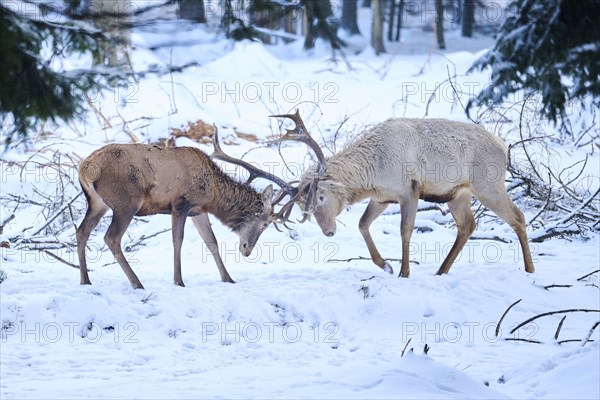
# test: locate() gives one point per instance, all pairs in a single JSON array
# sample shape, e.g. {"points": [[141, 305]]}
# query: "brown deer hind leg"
{"points": [[460, 207], [114, 234], [96, 209]]}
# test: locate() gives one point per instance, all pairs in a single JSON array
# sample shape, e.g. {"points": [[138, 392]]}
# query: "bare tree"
{"points": [[318, 15], [349, 17], [377, 26], [391, 15], [468, 17], [192, 10], [439, 24], [114, 53], [400, 16]]}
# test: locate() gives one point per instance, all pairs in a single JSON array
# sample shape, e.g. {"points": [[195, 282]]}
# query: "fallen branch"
{"points": [[361, 258], [142, 238], [589, 335], [572, 340], [560, 324], [504, 315], [6, 221], [494, 238], [62, 260], [583, 205], [552, 313], [405, 346], [57, 214], [552, 232], [554, 285], [587, 275], [522, 340]]}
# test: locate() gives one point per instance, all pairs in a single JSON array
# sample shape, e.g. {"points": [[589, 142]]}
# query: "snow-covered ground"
{"points": [[301, 321]]}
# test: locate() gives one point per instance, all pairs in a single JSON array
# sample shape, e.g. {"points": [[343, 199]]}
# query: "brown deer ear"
{"points": [[267, 196]]}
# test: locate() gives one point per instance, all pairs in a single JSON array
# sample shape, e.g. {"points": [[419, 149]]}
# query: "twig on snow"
{"points": [[587, 275], [572, 310], [560, 324], [6, 221], [589, 335], [504, 315], [405, 346], [522, 340], [62, 260], [554, 285]]}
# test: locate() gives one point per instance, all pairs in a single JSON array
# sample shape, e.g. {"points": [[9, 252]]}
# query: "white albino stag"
{"points": [[402, 160]]}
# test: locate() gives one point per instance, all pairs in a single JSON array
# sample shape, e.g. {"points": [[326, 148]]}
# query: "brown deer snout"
{"points": [[246, 249]]}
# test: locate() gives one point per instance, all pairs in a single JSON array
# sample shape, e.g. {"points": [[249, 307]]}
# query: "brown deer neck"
{"points": [[234, 203]]}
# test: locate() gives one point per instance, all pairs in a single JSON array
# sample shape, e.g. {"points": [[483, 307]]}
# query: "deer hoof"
{"points": [[387, 267]]}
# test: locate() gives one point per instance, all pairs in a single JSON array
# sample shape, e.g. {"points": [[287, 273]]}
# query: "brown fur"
{"points": [[139, 179]]}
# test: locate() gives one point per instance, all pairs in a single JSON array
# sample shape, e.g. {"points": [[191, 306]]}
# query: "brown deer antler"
{"points": [[255, 172], [300, 134]]}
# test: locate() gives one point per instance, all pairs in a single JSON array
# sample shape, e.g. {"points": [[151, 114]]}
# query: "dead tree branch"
{"points": [[572, 310], [589, 335], [588, 275], [560, 324], [504, 315]]}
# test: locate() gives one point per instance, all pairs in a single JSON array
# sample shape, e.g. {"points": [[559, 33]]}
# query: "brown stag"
{"points": [[139, 179]]}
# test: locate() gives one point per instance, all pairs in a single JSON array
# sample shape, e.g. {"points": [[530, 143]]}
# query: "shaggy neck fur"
{"points": [[351, 171], [235, 203]]}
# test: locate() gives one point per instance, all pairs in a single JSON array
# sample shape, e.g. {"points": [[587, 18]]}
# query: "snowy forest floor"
{"points": [[307, 318]]}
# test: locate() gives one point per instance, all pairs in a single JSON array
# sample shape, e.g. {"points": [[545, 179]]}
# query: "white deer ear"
{"points": [[330, 185], [267, 196]]}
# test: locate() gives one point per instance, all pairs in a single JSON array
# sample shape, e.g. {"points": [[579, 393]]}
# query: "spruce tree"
{"points": [[33, 91], [548, 47]]}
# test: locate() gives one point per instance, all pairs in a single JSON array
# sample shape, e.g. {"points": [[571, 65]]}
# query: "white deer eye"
{"points": [[321, 198]]}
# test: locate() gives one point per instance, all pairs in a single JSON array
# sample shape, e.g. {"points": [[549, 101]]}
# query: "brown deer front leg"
{"points": [[373, 210], [203, 225]]}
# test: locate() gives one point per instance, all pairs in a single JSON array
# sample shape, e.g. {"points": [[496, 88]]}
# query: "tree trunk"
{"points": [[114, 52], [468, 18], [349, 17], [265, 14], [192, 10], [291, 22], [377, 27], [318, 13], [439, 24], [311, 33], [391, 18], [400, 16]]}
